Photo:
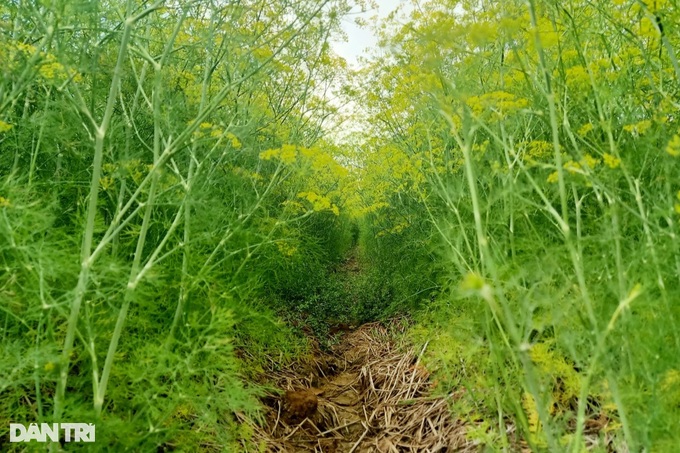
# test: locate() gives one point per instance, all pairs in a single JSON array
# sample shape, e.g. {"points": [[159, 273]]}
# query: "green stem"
{"points": [[86, 247]]}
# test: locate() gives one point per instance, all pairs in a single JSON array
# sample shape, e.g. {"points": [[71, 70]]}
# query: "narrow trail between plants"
{"points": [[369, 393]]}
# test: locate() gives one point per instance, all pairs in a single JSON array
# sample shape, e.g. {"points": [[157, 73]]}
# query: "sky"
{"points": [[360, 38]]}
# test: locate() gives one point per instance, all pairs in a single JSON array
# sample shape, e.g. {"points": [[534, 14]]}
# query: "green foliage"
{"points": [[539, 140], [171, 196], [401, 273], [141, 227]]}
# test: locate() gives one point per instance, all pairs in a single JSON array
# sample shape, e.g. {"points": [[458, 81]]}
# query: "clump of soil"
{"points": [[298, 405], [367, 394]]}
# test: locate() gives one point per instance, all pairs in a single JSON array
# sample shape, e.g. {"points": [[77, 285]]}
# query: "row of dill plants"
{"points": [[140, 231], [551, 150]]}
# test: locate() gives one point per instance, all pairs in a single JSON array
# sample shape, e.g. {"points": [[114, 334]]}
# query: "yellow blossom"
{"points": [[611, 161], [583, 131], [27, 49], [673, 147], [319, 202], [578, 79], [573, 167], [286, 249], [293, 206], [106, 182], [498, 101], [553, 177], [481, 33], [538, 150], [288, 154], [269, 154], [530, 407], [671, 380], [481, 147], [589, 161], [53, 71], [109, 167], [4, 127], [4, 202], [235, 142], [638, 128]]}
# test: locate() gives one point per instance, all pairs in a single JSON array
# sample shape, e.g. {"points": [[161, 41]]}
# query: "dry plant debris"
{"points": [[368, 395]]}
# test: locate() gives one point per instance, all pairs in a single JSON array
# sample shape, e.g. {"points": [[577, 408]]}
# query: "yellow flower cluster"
{"points": [[187, 82], [481, 33], [677, 204], [320, 161], [10, 51], [245, 173], [4, 127], [531, 410], [673, 147], [573, 167], [4, 202], [319, 202], [26, 49], [51, 71], [585, 129], [547, 34], [480, 147], [134, 168], [375, 207], [286, 249], [500, 102], [207, 129], [587, 163], [262, 53], [577, 79], [647, 28], [639, 128], [394, 230], [294, 206], [560, 377], [537, 150], [611, 161], [656, 6], [108, 179], [286, 154], [235, 142]]}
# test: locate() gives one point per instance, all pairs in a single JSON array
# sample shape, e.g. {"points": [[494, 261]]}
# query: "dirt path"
{"points": [[368, 394]]}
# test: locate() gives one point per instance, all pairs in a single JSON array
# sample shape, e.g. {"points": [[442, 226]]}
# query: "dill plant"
{"points": [[139, 217], [540, 144]]}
